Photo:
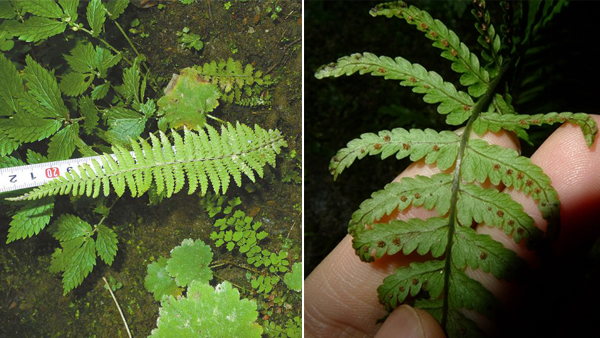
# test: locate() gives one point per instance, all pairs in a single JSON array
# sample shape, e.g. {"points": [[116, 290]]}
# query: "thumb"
{"points": [[408, 322]]}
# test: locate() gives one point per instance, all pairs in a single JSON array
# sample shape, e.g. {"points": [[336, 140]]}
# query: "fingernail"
{"points": [[404, 322]]}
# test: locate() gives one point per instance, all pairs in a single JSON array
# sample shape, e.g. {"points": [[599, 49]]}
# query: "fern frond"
{"points": [[488, 38], [495, 122], [463, 61], [201, 157], [456, 104], [234, 79]]}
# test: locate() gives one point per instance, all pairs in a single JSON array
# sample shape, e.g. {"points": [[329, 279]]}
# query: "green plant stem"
{"points": [[482, 103], [221, 263], [137, 53], [232, 283], [118, 307]]}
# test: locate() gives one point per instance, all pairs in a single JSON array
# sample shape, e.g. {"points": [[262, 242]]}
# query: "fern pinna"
{"points": [[204, 157], [440, 285]]}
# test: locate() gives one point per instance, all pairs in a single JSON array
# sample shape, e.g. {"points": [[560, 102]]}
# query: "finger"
{"points": [[408, 322], [341, 293]]}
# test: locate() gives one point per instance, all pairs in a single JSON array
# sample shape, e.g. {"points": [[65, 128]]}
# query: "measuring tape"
{"points": [[33, 175]]}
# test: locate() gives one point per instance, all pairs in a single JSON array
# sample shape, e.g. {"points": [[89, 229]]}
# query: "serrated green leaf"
{"points": [[116, 7], [69, 227], [6, 10], [11, 86], [62, 144], [425, 236], [124, 124], [43, 86], [495, 122], [7, 145], [74, 84], [410, 280], [106, 243], [96, 15], [80, 257], [30, 219], [100, 91], [430, 192], [104, 60], [190, 262], [70, 9], [463, 61], [45, 8], [483, 161], [208, 312], [494, 208], [36, 28], [436, 90], [82, 58], [26, 128], [89, 112], [440, 147], [131, 84], [159, 282], [482, 252]]}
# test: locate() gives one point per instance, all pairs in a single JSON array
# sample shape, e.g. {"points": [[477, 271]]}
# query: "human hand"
{"points": [[340, 294]]}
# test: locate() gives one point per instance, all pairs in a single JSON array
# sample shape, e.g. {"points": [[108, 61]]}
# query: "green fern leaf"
{"points": [[400, 195], [96, 15], [502, 165], [455, 103], [6, 10], [440, 147], [7, 145], [425, 236], [457, 324], [495, 122], [106, 243], [43, 86], [36, 28], [482, 252], [47, 9], [463, 61], [219, 157], [30, 219], [411, 280]]}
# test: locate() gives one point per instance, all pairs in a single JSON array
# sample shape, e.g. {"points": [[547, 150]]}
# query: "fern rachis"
{"points": [[441, 285]]}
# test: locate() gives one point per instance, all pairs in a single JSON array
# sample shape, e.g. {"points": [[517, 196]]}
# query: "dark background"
{"points": [[341, 109]]}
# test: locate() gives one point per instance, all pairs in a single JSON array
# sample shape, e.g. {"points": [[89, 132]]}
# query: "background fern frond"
{"points": [[456, 104], [463, 61], [201, 157]]}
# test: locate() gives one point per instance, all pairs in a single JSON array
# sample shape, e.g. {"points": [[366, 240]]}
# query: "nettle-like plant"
{"points": [[440, 285]]}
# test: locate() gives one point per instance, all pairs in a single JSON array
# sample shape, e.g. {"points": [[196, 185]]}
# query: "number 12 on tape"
{"points": [[33, 175]]}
